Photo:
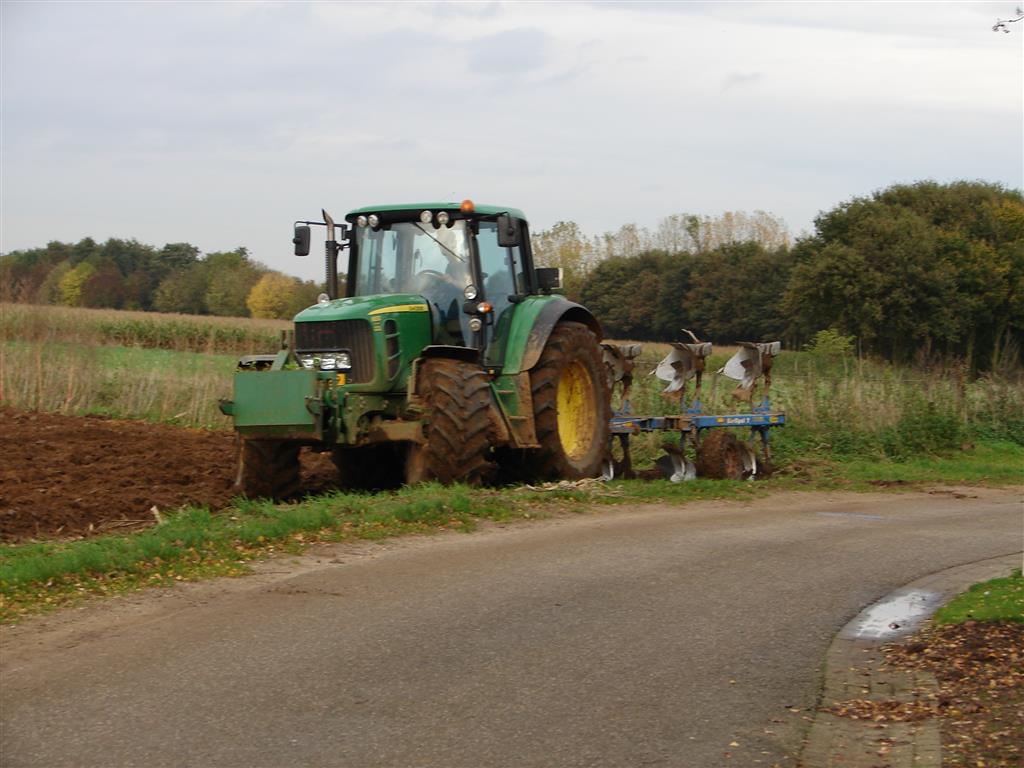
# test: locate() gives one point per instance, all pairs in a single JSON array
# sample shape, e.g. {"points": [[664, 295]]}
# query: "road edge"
{"points": [[853, 670]]}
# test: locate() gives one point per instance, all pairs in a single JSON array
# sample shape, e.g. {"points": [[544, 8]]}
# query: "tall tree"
{"points": [[71, 284], [623, 293], [183, 291], [273, 296], [231, 275], [104, 287], [916, 269], [736, 292]]}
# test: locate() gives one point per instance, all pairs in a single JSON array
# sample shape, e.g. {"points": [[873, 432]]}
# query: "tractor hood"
{"points": [[372, 340], [364, 307]]}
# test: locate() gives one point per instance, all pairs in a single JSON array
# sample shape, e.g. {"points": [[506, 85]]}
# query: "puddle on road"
{"points": [[897, 615]]}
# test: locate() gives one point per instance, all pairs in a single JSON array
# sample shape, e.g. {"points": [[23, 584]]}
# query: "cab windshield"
{"points": [[412, 258]]}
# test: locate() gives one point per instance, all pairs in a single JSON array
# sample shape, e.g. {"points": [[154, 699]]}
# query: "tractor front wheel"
{"points": [[571, 405], [268, 469], [459, 431]]}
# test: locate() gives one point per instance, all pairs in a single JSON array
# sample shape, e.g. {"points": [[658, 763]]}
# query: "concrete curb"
{"points": [[852, 671]]}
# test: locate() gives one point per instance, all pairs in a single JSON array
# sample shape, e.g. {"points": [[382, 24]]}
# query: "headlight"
{"points": [[339, 361], [442, 218], [361, 221], [426, 217], [373, 220], [329, 361]]}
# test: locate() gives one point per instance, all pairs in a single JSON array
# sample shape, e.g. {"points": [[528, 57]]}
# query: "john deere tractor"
{"points": [[446, 357]]}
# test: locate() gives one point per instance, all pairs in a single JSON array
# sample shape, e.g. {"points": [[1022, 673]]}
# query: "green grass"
{"points": [[989, 463], [995, 600], [195, 543], [129, 358]]}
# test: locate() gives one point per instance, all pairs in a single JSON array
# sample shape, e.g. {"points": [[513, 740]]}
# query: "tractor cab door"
{"points": [[503, 277]]}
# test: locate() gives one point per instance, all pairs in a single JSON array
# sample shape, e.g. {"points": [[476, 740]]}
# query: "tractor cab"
{"points": [[467, 266], [450, 255]]}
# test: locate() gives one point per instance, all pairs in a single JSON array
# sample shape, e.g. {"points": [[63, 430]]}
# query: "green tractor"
{"points": [[448, 358]]}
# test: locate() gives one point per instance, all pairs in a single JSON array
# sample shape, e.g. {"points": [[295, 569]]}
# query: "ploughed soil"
{"points": [[72, 476]]}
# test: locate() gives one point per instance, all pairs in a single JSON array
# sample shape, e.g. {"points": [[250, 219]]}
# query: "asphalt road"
{"points": [[652, 636]]}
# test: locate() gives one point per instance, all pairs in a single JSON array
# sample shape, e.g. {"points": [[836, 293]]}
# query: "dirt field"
{"points": [[67, 476]]}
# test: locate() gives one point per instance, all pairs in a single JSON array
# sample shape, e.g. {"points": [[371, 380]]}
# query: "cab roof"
{"points": [[486, 210]]}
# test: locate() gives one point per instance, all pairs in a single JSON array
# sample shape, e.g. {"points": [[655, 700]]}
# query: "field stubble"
{"points": [[168, 368]]}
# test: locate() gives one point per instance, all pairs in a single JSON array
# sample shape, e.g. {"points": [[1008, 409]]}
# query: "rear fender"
{"points": [[534, 320]]}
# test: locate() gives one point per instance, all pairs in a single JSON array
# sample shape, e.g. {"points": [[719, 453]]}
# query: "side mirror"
{"points": [[549, 278], [301, 240], [509, 234]]}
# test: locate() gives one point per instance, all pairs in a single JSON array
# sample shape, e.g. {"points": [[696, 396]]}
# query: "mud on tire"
{"points": [[571, 405], [459, 429], [268, 469]]}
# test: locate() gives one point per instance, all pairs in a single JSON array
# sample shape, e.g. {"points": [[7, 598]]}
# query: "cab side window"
{"points": [[501, 268]]}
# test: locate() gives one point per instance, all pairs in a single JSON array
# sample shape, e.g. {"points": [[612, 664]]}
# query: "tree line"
{"points": [[127, 274], [912, 272], [919, 270]]}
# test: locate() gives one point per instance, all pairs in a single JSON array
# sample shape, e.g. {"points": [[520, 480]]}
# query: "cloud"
{"points": [[510, 53], [460, 10], [740, 79]]}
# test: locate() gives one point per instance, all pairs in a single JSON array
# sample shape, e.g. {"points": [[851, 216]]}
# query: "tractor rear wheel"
{"points": [[268, 469], [459, 432], [571, 405], [722, 456]]}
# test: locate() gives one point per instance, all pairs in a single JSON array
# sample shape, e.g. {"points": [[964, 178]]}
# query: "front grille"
{"points": [[353, 336]]}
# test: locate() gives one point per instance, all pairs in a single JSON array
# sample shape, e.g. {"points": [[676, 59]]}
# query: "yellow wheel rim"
{"points": [[577, 410]]}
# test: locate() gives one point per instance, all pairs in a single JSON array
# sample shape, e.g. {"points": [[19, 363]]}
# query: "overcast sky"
{"points": [[219, 124]]}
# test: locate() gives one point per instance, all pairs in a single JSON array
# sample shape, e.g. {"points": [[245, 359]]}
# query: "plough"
{"points": [[717, 453]]}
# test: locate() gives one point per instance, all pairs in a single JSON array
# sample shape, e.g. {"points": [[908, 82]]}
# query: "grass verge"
{"points": [[196, 543], [988, 463], [995, 600]]}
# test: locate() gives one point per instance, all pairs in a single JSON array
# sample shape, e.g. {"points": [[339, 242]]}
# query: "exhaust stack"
{"points": [[331, 249]]}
